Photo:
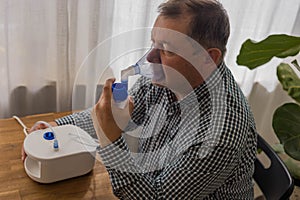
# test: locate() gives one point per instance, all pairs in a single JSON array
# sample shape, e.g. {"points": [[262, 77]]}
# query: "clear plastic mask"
{"points": [[144, 68]]}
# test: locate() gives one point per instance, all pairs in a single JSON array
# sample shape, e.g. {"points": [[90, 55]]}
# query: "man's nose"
{"points": [[154, 56]]}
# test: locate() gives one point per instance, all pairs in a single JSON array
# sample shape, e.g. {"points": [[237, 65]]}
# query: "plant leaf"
{"points": [[254, 54], [294, 92], [293, 168], [295, 63], [278, 148], [289, 80], [286, 124]]}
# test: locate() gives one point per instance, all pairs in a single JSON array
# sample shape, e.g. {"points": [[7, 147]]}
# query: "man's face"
{"points": [[178, 55]]}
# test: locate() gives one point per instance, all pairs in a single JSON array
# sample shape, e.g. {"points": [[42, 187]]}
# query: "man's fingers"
{"points": [[105, 98], [38, 127], [107, 92]]}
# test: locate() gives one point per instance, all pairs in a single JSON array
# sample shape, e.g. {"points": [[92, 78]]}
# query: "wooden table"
{"points": [[15, 184]]}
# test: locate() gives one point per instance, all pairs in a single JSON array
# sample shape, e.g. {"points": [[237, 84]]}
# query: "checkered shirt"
{"points": [[201, 147]]}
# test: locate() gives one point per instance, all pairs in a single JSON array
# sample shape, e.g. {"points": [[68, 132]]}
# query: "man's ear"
{"points": [[215, 54]]}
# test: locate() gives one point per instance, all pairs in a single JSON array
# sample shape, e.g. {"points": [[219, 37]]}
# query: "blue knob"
{"points": [[49, 136]]}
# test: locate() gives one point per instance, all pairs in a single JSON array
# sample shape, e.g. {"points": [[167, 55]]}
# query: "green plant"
{"points": [[286, 118]]}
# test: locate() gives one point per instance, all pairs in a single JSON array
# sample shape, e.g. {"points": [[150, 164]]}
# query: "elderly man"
{"points": [[197, 135]]}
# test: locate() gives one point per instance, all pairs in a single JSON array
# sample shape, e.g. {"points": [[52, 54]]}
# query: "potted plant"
{"points": [[286, 118]]}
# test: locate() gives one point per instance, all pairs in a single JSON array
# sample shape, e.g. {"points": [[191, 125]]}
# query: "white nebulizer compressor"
{"points": [[59, 153]]}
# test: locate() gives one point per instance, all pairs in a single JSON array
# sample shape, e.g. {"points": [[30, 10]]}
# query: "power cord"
{"points": [[25, 129]]}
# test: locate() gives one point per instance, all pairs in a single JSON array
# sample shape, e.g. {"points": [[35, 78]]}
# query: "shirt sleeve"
{"points": [[197, 172], [81, 119], [84, 120]]}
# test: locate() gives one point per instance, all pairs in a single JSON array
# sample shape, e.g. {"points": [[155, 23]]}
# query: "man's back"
{"points": [[207, 140]]}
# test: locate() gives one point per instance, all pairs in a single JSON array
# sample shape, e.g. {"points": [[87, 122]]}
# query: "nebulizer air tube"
{"points": [[142, 67], [48, 135]]}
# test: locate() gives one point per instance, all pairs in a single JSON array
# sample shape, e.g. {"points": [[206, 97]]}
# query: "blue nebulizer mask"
{"points": [[142, 67]]}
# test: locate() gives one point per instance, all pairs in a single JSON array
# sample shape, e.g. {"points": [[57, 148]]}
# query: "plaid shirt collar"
{"points": [[201, 92]]}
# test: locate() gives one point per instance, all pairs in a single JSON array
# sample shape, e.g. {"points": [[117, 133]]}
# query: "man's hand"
{"points": [[109, 120], [34, 128]]}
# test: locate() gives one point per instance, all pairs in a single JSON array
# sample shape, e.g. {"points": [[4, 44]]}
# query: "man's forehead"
{"points": [[167, 35], [170, 27]]}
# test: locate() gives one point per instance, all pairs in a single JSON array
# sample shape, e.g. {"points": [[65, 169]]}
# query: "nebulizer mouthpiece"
{"points": [[144, 68]]}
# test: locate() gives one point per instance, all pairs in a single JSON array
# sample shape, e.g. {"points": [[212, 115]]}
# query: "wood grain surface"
{"points": [[15, 184]]}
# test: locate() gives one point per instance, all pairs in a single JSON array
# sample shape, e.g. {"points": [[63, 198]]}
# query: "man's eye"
{"points": [[167, 53], [167, 50], [164, 48]]}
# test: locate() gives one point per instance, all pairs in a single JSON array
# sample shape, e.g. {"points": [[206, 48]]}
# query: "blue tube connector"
{"points": [[55, 145]]}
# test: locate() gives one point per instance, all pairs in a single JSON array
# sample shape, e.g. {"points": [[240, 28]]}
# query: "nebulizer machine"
{"points": [[58, 153]]}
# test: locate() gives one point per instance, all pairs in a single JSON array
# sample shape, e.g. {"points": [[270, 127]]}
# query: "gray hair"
{"points": [[209, 24]]}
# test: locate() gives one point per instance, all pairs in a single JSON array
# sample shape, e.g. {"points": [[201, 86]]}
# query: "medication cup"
{"points": [[119, 91], [75, 156]]}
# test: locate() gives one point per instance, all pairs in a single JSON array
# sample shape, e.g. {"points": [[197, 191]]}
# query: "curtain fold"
{"points": [[44, 44]]}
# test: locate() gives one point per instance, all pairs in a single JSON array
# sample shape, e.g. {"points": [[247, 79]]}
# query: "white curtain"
{"points": [[45, 43]]}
